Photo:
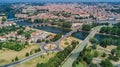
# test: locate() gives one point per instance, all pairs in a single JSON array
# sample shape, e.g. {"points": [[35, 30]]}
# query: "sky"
{"points": [[59, 0]]}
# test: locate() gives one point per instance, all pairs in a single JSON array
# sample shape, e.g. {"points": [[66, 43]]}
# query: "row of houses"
{"points": [[40, 35], [21, 38], [5, 24]]}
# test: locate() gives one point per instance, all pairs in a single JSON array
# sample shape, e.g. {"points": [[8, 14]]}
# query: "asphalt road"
{"points": [[57, 43], [65, 36], [44, 51], [75, 52], [24, 60]]}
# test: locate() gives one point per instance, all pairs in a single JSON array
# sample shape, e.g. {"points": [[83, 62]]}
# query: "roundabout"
{"points": [[50, 47]]}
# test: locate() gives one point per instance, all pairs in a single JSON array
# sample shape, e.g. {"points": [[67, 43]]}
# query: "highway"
{"points": [[76, 51]]}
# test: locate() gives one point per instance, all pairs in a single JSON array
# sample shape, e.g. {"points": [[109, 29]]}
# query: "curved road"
{"points": [[44, 51], [57, 43], [24, 60]]}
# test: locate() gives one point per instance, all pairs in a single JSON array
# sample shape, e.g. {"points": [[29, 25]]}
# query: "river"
{"points": [[10, 16], [80, 35]]}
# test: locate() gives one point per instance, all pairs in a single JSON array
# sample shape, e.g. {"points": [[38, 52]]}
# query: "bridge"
{"points": [[16, 20], [57, 43], [98, 21], [70, 33], [75, 53], [38, 25]]}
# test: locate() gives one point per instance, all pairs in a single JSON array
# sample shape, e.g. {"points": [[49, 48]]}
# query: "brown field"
{"points": [[66, 42], [40, 59], [6, 55]]}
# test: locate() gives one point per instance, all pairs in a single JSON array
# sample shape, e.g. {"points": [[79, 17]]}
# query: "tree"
{"points": [[57, 59], [93, 41], [3, 19], [74, 43], [104, 55], [47, 41], [86, 27], [113, 51], [56, 37], [66, 43], [39, 49], [31, 52], [39, 40], [0, 46], [66, 24], [38, 65], [111, 30], [94, 46], [106, 63], [29, 20], [88, 58], [106, 42], [93, 65], [16, 58], [20, 32], [27, 35], [114, 58], [117, 52], [118, 47], [27, 54], [95, 54], [12, 60], [38, 20], [93, 17], [26, 43]]}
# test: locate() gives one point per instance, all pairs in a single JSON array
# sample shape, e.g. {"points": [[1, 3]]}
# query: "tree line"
{"points": [[88, 27], [59, 57], [12, 45], [115, 30]]}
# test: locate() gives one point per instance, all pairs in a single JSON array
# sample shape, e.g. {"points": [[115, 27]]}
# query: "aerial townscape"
{"points": [[59, 34]]}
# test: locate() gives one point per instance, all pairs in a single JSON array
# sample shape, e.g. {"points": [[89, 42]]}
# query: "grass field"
{"points": [[40, 59], [67, 42], [7, 55]]}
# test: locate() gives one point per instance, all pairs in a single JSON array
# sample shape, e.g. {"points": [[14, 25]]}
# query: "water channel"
{"points": [[80, 35]]}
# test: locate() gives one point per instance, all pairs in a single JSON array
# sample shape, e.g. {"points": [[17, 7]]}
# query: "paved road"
{"points": [[75, 52], [44, 51], [24, 60], [30, 57], [69, 33], [65, 36], [99, 61], [56, 49], [57, 43]]}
